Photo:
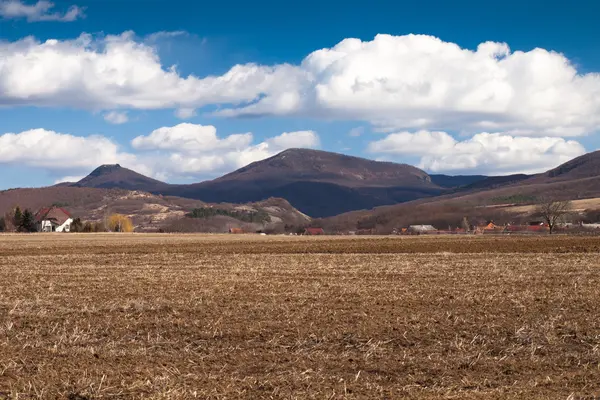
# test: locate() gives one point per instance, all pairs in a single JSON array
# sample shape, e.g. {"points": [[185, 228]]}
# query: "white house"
{"points": [[421, 228], [53, 219]]}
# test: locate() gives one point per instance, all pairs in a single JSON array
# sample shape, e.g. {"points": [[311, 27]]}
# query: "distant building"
{"points": [[53, 219], [421, 229], [590, 226], [236, 230], [314, 231]]}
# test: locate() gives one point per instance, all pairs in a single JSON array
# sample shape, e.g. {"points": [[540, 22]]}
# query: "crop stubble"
{"points": [[169, 317]]}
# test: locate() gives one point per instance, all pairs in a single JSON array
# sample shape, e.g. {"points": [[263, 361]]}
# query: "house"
{"points": [[590, 226], [236, 230], [314, 231], [53, 219], [421, 229]]}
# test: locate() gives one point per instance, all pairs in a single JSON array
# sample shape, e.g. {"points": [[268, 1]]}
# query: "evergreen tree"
{"points": [[2, 224], [28, 222], [17, 218]]}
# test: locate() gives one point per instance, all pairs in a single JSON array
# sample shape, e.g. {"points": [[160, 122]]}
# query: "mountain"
{"points": [[117, 177], [451, 182], [494, 198], [317, 183], [585, 166], [152, 213]]}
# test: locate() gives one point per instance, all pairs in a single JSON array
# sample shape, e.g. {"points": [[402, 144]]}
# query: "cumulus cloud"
{"points": [[196, 150], [418, 81], [60, 152], [181, 151], [393, 82], [490, 153], [116, 72], [115, 117], [191, 138], [40, 11]]}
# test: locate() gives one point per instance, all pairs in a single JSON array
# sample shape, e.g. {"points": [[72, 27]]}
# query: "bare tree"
{"points": [[465, 224], [552, 210]]}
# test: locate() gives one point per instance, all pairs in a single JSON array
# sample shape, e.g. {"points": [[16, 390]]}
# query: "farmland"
{"points": [[192, 316]]}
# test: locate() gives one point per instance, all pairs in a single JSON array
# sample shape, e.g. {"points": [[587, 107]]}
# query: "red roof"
{"points": [[56, 214], [314, 231]]}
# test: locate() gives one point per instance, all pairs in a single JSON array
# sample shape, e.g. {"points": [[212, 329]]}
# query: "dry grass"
{"points": [[577, 205], [178, 317]]}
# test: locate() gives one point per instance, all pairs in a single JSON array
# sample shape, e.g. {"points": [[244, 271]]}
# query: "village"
{"points": [[55, 219]]}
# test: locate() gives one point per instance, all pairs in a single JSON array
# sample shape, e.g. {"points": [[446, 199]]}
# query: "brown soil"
{"points": [[178, 317]]}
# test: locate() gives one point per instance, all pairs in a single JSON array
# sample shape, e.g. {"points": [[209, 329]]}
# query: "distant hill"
{"points": [[450, 182], [585, 166], [323, 184], [117, 177], [316, 182], [490, 198], [151, 212]]}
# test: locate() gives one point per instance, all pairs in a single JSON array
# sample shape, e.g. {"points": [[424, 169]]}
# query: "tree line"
{"points": [[16, 220], [19, 221], [244, 216]]}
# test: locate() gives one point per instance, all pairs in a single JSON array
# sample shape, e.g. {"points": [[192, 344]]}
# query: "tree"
{"points": [[77, 225], [2, 224], [27, 222], [465, 224], [552, 210], [17, 218], [119, 223]]}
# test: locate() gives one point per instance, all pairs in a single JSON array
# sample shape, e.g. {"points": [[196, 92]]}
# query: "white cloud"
{"points": [[71, 179], [196, 150], [191, 138], [153, 37], [490, 153], [40, 11], [185, 113], [116, 117], [114, 72], [393, 82], [407, 143], [289, 140], [59, 151], [184, 150], [421, 82]]}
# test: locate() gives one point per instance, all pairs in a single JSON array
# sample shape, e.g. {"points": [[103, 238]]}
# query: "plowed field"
{"points": [[228, 317]]}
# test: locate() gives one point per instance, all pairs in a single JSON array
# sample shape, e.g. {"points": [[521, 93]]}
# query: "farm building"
{"points": [[421, 229], [590, 226], [236, 230], [314, 231], [53, 219], [490, 227]]}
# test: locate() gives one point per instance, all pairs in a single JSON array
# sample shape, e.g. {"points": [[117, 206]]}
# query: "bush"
{"points": [[244, 216], [27, 222], [77, 225], [119, 223]]}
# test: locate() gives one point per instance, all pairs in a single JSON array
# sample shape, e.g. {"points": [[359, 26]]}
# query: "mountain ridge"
{"points": [[325, 184]]}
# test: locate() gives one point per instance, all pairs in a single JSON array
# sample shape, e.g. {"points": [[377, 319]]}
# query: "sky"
{"points": [[186, 91]]}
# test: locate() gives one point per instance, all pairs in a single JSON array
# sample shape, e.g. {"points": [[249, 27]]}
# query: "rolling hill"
{"points": [[154, 212], [318, 183], [495, 200]]}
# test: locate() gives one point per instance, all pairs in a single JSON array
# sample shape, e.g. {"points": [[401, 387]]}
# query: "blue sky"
{"points": [[89, 82]]}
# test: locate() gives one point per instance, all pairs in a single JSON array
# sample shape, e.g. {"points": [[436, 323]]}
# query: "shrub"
{"points": [[119, 223], [245, 216]]}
